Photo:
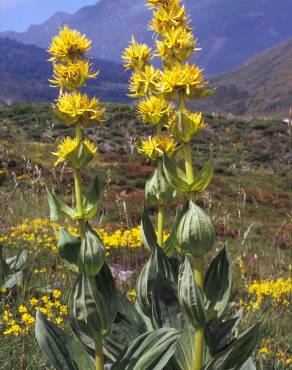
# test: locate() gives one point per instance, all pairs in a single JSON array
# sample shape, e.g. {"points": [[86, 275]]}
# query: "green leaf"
{"points": [[220, 332], [158, 191], [150, 351], [217, 284], [92, 252], [69, 248], [248, 365], [57, 206], [170, 244], [62, 352], [93, 303], [90, 199], [190, 296], [238, 352], [13, 279], [148, 233], [205, 177], [199, 93], [165, 305], [184, 353], [157, 262], [175, 176], [4, 268], [17, 263], [128, 325]]}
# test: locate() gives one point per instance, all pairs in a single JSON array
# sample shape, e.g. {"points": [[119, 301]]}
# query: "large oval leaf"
{"points": [[150, 351], [62, 352], [190, 296]]}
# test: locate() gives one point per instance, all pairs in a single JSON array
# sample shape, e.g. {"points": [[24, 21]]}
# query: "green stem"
{"points": [[198, 261], [99, 360], [160, 214], [160, 225], [78, 187]]}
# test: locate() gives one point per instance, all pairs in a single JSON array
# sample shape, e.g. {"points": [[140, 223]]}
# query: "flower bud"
{"points": [[195, 233]]}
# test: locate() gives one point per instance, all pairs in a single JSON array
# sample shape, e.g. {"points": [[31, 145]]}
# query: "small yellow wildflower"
{"points": [[22, 309], [72, 75], [69, 44], [56, 293], [27, 319], [68, 145], [59, 320], [76, 107], [153, 110], [33, 301], [136, 56]]}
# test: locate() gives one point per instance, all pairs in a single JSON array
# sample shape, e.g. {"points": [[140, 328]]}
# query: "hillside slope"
{"points": [[229, 32], [261, 86], [24, 74]]}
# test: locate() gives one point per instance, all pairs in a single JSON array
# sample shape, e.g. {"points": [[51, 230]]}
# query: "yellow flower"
{"points": [[153, 110], [68, 45], [65, 148], [27, 319], [182, 77], [144, 81], [57, 293], [33, 301], [176, 46], [167, 18], [72, 75], [136, 56], [184, 126], [157, 146], [59, 320], [22, 309], [76, 107]]}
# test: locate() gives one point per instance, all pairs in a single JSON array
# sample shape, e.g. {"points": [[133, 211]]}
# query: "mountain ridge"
{"points": [[24, 74], [228, 32]]}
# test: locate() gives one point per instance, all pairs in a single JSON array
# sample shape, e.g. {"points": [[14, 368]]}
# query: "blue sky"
{"points": [[17, 15]]}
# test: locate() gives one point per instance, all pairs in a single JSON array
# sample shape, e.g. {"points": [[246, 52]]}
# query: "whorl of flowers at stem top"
{"points": [[136, 56], [72, 75], [69, 45], [76, 107], [69, 145], [71, 69], [154, 110], [157, 146]]}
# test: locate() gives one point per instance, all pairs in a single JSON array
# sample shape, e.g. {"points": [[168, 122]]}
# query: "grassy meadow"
{"points": [[249, 199]]}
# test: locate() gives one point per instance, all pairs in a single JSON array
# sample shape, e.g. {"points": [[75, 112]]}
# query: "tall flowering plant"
{"points": [[105, 329], [173, 288]]}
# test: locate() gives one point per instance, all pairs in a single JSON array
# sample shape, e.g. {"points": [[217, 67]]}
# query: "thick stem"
{"points": [[198, 261], [99, 360], [78, 188], [160, 215], [199, 348]]}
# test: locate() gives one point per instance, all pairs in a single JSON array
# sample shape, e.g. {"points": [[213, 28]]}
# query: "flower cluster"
{"points": [[71, 70], [43, 234], [275, 291], [272, 351], [20, 320]]}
